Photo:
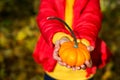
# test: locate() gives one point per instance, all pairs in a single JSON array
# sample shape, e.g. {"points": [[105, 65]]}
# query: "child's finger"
{"points": [[55, 55], [62, 63], [64, 39], [88, 63], [68, 66], [83, 67], [90, 48], [73, 68], [78, 68], [57, 45], [55, 52]]}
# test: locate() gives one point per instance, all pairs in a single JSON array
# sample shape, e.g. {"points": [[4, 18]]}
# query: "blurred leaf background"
{"points": [[19, 34]]}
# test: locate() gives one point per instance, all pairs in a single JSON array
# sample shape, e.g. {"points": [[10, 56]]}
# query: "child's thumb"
{"points": [[90, 48]]}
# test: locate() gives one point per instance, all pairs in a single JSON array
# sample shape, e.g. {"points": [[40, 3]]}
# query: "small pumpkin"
{"points": [[74, 56], [72, 53]]}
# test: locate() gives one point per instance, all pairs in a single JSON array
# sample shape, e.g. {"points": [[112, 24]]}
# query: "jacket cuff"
{"points": [[59, 35], [85, 42]]}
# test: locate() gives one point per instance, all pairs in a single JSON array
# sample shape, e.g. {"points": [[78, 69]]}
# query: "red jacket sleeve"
{"points": [[49, 27], [89, 22]]}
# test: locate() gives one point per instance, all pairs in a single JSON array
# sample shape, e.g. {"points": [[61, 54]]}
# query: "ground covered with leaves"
{"points": [[19, 34]]}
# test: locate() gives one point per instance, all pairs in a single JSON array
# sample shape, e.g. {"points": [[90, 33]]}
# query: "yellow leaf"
{"points": [[21, 35]]}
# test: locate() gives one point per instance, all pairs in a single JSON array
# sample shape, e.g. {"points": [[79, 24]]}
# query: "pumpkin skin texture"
{"points": [[74, 56]]}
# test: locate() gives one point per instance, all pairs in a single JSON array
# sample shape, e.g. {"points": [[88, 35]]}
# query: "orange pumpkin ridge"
{"points": [[85, 52], [80, 59], [71, 58]]}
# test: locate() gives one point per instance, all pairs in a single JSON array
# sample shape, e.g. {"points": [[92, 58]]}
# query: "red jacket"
{"points": [[86, 24]]}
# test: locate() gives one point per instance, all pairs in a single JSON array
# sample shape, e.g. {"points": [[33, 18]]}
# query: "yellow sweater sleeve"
{"points": [[85, 42], [59, 35]]}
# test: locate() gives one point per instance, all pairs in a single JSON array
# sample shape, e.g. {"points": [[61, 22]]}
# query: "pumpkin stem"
{"points": [[71, 31]]}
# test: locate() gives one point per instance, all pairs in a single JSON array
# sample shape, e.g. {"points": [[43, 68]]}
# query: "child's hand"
{"points": [[56, 56], [56, 49]]}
